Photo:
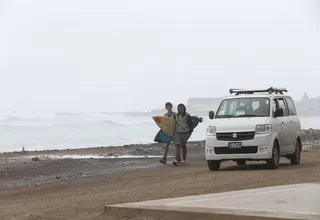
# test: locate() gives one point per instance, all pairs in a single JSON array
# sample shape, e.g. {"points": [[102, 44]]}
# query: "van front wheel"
{"points": [[214, 165], [273, 162]]}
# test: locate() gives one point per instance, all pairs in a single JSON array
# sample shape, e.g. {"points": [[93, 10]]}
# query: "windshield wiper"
{"points": [[224, 116], [248, 115]]}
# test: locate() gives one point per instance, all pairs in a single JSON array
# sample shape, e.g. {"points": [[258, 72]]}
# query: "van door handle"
{"points": [[291, 121], [283, 123]]}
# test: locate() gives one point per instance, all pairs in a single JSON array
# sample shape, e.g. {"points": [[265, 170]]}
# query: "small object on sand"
{"points": [[110, 154], [35, 158]]}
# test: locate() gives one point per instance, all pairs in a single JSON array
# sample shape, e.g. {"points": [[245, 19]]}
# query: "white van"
{"points": [[254, 125]]}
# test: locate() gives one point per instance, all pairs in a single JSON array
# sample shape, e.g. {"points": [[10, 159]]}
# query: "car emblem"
{"points": [[234, 135]]}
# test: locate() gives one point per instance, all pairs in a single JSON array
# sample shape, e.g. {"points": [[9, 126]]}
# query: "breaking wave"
{"points": [[52, 119]]}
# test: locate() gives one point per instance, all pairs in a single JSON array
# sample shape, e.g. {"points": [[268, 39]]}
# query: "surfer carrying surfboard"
{"points": [[184, 129], [170, 114], [177, 128]]}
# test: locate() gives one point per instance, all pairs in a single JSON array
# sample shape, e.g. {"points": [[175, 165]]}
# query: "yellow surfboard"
{"points": [[166, 124]]}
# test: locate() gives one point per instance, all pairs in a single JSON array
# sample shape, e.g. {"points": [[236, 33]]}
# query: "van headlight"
{"points": [[211, 130], [263, 129]]}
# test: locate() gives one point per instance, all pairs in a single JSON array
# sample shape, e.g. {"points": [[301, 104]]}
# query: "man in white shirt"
{"points": [[171, 114]]}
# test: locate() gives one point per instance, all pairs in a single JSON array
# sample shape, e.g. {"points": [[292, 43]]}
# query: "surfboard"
{"points": [[166, 124], [163, 137]]}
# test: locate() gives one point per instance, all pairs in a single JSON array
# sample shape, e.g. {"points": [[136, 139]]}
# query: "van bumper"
{"points": [[259, 148]]}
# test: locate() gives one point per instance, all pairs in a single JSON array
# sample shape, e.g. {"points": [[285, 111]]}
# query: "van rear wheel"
{"points": [[214, 165], [295, 157]]}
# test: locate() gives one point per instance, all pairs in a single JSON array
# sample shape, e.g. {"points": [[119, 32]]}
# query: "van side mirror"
{"points": [[200, 120], [211, 115], [278, 113]]}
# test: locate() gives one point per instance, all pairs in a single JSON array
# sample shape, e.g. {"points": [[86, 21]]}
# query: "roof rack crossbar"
{"points": [[269, 90]]}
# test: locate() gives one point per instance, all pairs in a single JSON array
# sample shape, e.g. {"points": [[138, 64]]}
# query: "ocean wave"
{"points": [[25, 116], [127, 123], [63, 114], [71, 119], [33, 123], [12, 118]]}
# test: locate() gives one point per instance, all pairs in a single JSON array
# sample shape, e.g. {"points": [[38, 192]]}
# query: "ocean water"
{"points": [[42, 131]]}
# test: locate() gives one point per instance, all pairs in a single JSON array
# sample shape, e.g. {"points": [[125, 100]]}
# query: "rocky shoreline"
{"points": [[34, 168], [310, 138], [310, 134]]}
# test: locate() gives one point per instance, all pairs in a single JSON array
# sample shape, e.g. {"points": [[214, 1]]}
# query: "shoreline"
{"points": [[150, 149], [33, 169], [36, 168]]}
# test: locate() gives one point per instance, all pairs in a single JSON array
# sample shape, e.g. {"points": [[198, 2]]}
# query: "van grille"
{"points": [[241, 136], [242, 150]]}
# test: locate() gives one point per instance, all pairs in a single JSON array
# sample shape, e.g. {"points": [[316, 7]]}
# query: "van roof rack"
{"points": [[269, 90]]}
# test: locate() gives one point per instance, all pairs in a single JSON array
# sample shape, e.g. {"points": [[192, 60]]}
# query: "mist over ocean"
{"points": [[42, 131]]}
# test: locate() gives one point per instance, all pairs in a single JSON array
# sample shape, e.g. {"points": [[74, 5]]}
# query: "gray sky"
{"points": [[76, 55]]}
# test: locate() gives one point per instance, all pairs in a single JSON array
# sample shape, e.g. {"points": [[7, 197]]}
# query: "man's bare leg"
{"points": [[184, 153], [165, 154], [178, 155]]}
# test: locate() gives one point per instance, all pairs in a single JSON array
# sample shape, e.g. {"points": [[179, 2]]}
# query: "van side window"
{"points": [[292, 108], [274, 105], [282, 104]]}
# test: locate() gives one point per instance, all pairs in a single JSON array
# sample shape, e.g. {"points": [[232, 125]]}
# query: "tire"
{"points": [[241, 162], [273, 162], [296, 156], [214, 165]]}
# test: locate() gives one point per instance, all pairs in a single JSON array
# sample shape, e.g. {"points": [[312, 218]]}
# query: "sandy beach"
{"points": [[47, 185], [35, 168]]}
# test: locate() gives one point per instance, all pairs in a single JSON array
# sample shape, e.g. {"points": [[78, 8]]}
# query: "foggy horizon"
{"points": [[76, 56]]}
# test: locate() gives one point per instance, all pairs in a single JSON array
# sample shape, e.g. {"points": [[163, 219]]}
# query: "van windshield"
{"points": [[244, 107]]}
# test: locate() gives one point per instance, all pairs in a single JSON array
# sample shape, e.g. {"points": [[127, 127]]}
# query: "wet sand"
{"points": [[49, 188], [35, 168]]}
